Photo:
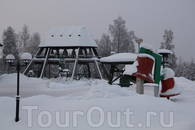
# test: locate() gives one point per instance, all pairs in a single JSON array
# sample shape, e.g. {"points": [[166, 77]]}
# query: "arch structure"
{"points": [[74, 44]]}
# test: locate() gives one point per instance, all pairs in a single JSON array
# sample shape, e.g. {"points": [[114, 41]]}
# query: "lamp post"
{"points": [[26, 57], [139, 40], [139, 81]]}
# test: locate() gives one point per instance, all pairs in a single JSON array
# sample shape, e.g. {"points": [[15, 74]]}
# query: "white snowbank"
{"points": [[187, 86], [120, 57], [101, 98], [147, 46], [168, 73]]}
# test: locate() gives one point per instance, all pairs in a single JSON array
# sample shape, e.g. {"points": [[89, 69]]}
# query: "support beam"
{"points": [[105, 70], [45, 62], [89, 73], [31, 62], [74, 69], [98, 69]]}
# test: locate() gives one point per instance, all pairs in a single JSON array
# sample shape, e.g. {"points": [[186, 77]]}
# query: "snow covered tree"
{"points": [[104, 46], [122, 39], [34, 42], [23, 39], [9, 38], [167, 44]]}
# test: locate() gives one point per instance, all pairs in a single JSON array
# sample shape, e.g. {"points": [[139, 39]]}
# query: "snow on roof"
{"points": [[120, 57], [1, 43], [26, 56], [147, 46], [75, 36], [164, 51], [10, 57], [146, 55]]}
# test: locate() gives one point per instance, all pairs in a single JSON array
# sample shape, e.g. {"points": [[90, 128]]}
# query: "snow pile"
{"points": [[147, 46], [12, 78], [103, 90], [64, 83], [187, 86], [167, 73], [130, 69]]}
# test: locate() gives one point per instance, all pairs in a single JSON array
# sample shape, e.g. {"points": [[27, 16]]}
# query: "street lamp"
{"points": [[26, 57], [1, 43], [165, 53], [139, 40]]}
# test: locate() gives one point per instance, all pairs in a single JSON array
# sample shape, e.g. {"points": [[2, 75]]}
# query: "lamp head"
{"points": [[26, 58], [10, 59], [139, 40]]}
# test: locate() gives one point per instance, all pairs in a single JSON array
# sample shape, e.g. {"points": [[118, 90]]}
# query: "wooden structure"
{"points": [[114, 61], [74, 44]]}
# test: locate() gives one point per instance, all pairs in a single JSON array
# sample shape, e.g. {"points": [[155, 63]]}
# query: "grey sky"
{"points": [[148, 18]]}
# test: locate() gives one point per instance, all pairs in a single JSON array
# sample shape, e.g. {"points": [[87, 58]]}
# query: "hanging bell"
{"points": [[144, 67], [169, 87]]}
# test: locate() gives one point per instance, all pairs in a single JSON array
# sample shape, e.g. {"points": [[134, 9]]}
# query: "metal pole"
{"points": [[18, 94], [139, 85]]}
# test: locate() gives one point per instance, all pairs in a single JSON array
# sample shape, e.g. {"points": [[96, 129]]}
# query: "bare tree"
{"points": [[122, 39], [23, 39], [34, 42]]}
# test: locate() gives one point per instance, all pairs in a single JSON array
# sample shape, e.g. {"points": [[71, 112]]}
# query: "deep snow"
{"points": [[87, 104]]}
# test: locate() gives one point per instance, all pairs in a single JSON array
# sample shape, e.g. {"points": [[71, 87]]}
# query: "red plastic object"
{"points": [[144, 69], [166, 85]]}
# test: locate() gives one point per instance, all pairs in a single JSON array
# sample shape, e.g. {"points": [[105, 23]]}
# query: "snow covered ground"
{"points": [[92, 104]]}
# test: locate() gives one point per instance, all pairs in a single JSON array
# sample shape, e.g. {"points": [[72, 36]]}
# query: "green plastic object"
{"points": [[124, 81], [158, 60]]}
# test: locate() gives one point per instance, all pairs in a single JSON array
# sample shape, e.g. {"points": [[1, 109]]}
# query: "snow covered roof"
{"points": [[161, 51], [120, 57], [75, 36], [1, 43]]}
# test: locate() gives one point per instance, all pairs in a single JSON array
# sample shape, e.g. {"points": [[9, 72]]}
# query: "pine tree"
{"points": [[9, 40], [104, 46]]}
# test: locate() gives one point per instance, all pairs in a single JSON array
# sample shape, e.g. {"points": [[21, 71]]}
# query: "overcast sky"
{"points": [[148, 18]]}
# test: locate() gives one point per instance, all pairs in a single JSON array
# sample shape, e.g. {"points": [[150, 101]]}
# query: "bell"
{"points": [[169, 87], [144, 67]]}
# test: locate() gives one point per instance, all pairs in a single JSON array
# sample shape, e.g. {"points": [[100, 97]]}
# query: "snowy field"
{"points": [[92, 104]]}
